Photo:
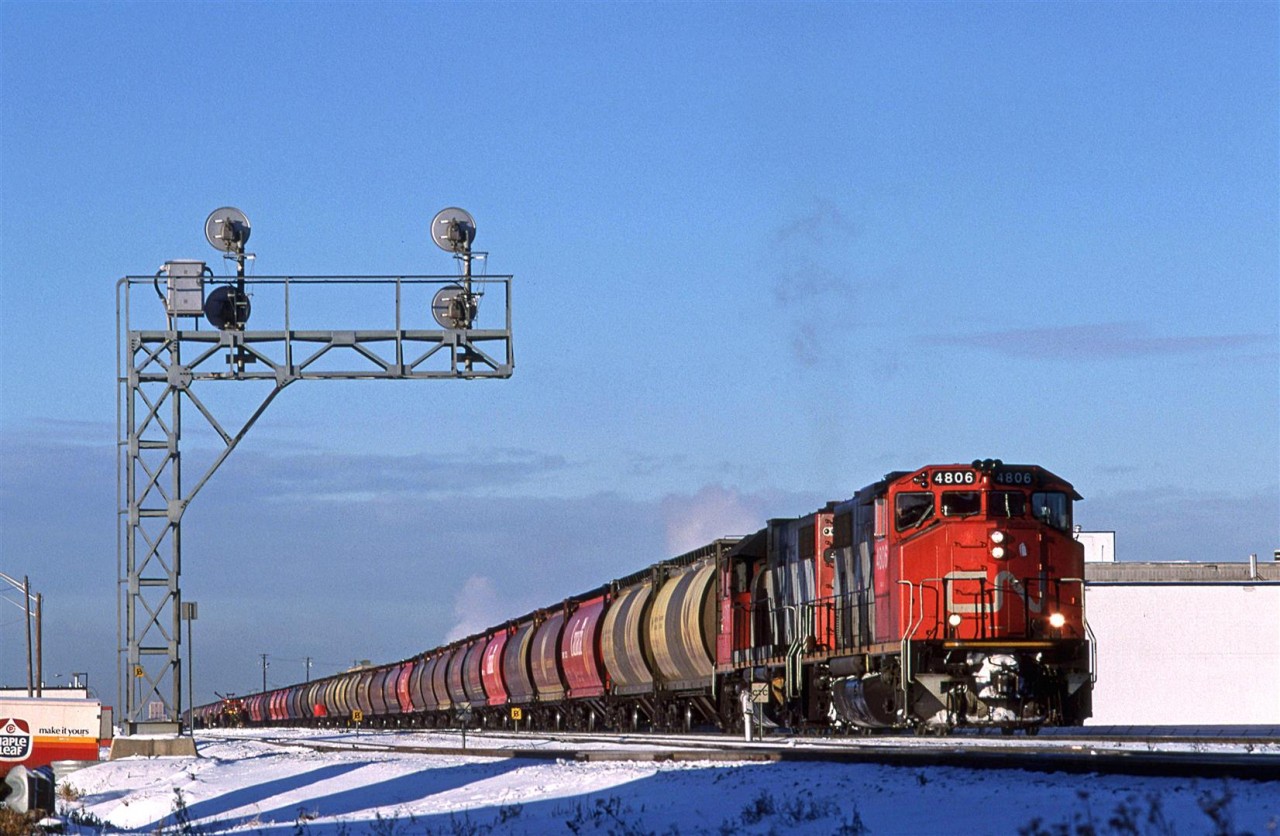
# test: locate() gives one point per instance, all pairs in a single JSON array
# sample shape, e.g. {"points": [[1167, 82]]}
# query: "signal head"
{"points": [[227, 308], [453, 230], [227, 229], [453, 307]]}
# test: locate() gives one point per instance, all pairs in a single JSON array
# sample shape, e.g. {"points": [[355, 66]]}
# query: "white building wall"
{"points": [[1186, 654], [1099, 546]]}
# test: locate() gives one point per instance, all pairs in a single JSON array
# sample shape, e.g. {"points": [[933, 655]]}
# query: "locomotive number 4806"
{"points": [[953, 477]]}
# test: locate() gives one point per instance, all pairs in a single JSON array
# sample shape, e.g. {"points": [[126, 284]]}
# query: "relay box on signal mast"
{"points": [[185, 295]]}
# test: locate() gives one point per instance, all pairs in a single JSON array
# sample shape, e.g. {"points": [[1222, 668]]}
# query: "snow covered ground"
{"points": [[241, 784]]}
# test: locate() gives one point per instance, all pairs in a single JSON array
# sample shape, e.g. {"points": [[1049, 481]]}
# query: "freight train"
{"points": [[951, 595]]}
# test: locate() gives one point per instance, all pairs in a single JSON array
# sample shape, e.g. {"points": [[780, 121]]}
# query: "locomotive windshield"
{"points": [[1052, 508], [961, 503], [1008, 504]]}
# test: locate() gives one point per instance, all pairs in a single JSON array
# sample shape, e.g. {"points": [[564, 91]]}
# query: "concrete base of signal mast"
{"points": [[154, 740]]}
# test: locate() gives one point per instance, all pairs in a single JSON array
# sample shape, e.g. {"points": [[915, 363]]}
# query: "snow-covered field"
{"points": [[241, 784]]}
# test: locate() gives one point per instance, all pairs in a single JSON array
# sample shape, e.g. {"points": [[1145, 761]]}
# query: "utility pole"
{"points": [[264, 673], [26, 600], [35, 666], [308, 668], [39, 644]]}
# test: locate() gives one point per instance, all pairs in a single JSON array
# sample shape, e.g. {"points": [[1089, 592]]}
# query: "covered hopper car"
{"points": [[945, 596]]}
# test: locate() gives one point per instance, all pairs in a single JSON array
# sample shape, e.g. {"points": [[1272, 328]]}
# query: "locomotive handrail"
{"points": [[923, 589], [793, 627], [906, 642], [913, 625], [1088, 629]]}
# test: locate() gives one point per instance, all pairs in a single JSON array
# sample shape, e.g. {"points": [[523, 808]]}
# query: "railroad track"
{"points": [[1061, 754]]}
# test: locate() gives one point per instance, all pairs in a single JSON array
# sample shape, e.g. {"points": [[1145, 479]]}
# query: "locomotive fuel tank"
{"points": [[866, 701]]}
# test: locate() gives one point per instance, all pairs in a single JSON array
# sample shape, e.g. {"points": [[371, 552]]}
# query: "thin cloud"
{"points": [[817, 298], [822, 224], [480, 605], [284, 476], [1105, 341], [714, 511], [813, 286]]}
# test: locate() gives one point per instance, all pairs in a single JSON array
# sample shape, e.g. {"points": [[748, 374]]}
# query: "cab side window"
{"points": [[912, 509]]}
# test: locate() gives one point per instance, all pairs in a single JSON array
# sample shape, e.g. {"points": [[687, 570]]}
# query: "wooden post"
{"points": [[39, 644], [26, 602]]}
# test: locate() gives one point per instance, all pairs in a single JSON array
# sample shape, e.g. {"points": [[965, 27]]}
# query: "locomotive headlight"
{"points": [[997, 537], [954, 619], [1057, 620], [997, 552]]}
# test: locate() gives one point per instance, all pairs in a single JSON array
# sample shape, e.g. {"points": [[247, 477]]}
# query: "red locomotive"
{"points": [[950, 595]]}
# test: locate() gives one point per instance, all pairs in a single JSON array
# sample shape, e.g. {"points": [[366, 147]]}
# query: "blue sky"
{"points": [[764, 253]]}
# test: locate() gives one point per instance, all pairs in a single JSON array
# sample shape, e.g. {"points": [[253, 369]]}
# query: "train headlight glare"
{"points": [[1057, 620], [997, 552], [954, 619], [997, 536]]}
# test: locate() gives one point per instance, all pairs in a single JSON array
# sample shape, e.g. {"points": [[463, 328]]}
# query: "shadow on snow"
{"points": [[207, 816]]}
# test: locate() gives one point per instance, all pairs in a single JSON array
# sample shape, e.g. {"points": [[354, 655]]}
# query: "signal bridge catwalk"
{"points": [[397, 351], [183, 333]]}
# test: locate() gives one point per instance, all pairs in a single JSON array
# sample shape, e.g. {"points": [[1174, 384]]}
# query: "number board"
{"points": [[954, 477], [1024, 478], [517, 713], [357, 715], [1018, 478]]}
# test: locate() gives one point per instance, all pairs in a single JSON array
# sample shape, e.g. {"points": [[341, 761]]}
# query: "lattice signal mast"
{"points": [[395, 328]]}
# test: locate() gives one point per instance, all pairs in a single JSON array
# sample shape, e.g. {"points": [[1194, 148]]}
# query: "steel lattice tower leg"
{"points": [[152, 519]]}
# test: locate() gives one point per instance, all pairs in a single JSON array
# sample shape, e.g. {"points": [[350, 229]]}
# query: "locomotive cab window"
{"points": [[1008, 504], [961, 503], [912, 509], [1052, 508]]}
